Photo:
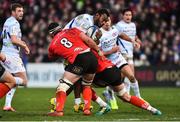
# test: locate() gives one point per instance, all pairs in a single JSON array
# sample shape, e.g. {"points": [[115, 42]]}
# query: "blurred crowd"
{"points": [[158, 25]]}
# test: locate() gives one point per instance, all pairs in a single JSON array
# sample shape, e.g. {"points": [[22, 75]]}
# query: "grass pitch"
{"points": [[32, 104]]}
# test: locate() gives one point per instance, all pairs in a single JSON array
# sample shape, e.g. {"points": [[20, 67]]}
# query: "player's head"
{"points": [[17, 11], [127, 15], [107, 24], [101, 16], [54, 28]]}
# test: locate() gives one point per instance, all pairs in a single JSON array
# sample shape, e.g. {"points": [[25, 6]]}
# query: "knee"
{"points": [[64, 85], [126, 97], [132, 78], [10, 84]]}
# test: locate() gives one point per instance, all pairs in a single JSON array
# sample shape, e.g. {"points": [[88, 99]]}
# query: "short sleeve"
{"points": [[118, 27], [13, 29]]}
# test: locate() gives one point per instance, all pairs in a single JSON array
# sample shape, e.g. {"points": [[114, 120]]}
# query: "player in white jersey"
{"points": [[10, 57], [107, 43], [129, 28], [83, 22]]}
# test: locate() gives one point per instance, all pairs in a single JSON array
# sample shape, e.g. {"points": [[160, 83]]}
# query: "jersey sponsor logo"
{"points": [[78, 49]]}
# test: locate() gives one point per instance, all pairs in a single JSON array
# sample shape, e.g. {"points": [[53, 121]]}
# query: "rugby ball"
{"points": [[91, 32]]}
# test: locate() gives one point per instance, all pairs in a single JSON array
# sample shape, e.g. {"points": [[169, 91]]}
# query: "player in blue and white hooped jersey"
{"points": [[10, 54], [129, 28], [108, 44]]}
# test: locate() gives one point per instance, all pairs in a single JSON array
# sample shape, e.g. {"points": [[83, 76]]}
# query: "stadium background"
{"points": [[157, 62], [158, 26]]}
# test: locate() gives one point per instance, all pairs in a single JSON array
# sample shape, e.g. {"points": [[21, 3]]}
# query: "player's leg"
{"points": [[104, 107], [14, 65], [110, 97], [135, 85], [107, 76], [77, 94], [64, 84], [73, 73], [7, 82], [132, 84], [21, 79], [87, 92], [128, 72], [122, 94], [53, 100]]}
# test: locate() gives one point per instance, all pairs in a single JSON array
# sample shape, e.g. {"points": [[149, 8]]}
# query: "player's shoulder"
{"points": [[132, 23], [83, 16], [120, 23], [11, 21]]}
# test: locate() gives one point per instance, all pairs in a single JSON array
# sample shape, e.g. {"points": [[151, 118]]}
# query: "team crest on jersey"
{"points": [[114, 34], [77, 70]]}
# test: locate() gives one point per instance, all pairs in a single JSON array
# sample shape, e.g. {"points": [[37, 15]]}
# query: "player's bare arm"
{"points": [[136, 44], [126, 37], [20, 43], [138, 40]]}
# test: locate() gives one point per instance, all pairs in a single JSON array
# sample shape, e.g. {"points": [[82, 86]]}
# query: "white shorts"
{"points": [[13, 64], [129, 58], [119, 61]]}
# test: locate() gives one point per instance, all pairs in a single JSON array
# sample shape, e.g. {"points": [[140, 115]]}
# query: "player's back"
{"points": [[67, 44], [82, 22]]}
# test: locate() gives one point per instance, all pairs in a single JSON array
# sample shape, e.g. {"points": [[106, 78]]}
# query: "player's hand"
{"points": [[100, 53], [115, 49], [27, 50], [98, 34], [138, 41], [136, 45]]}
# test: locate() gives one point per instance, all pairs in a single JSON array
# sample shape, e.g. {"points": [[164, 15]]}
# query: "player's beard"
{"points": [[20, 17]]}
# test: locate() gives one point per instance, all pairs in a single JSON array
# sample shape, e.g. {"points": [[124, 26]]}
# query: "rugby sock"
{"points": [[87, 95], [127, 84], [139, 102], [77, 101], [60, 100], [135, 88], [94, 95], [19, 81], [111, 93], [3, 89], [9, 97], [97, 99]]}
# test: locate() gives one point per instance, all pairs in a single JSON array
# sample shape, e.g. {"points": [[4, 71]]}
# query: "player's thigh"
{"points": [[129, 59], [127, 71], [6, 77], [85, 63], [72, 77], [111, 76], [13, 64]]}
